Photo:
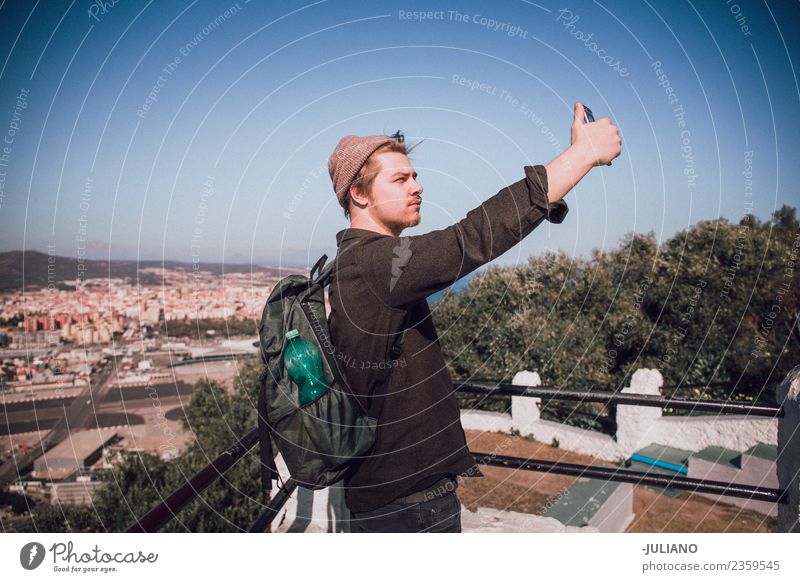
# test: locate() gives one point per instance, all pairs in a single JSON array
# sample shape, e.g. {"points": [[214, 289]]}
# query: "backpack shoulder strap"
{"points": [[323, 271], [318, 266]]}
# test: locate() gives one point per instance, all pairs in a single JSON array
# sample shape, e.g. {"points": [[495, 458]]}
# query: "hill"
{"points": [[40, 270]]}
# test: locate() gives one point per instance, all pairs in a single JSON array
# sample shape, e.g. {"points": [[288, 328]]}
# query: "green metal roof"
{"points": [[721, 456], [763, 451], [581, 501]]}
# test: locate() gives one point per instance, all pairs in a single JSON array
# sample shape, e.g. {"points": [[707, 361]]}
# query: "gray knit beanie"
{"points": [[347, 159]]}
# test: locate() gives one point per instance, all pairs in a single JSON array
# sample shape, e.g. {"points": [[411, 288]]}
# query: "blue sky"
{"points": [[202, 129]]}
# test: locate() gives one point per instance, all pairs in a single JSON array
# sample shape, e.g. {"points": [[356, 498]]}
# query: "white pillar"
{"points": [[525, 409], [633, 421]]}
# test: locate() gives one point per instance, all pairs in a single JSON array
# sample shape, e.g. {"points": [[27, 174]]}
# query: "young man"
{"points": [[379, 287]]}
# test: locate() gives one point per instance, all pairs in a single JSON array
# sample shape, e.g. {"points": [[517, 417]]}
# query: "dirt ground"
{"points": [[530, 492]]}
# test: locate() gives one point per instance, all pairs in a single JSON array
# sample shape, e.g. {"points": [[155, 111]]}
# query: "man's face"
{"points": [[396, 195]]}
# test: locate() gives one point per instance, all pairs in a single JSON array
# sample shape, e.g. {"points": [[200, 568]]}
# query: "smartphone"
{"points": [[588, 117]]}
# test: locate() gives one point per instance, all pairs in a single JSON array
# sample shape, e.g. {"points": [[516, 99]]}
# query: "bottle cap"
{"points": [[292, 333]]}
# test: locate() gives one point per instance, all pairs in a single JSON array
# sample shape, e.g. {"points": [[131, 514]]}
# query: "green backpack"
{"points": [[324, 439]]}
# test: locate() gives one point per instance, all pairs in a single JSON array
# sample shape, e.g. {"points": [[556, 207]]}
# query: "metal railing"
{"points": [[161, 514], [635, 477], [606, 397]]}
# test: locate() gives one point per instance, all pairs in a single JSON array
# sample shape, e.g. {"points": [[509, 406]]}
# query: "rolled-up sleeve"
{"points": [[554, 211], [403, 270]]}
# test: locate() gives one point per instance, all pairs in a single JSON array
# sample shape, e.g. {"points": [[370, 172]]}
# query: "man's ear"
{"points": [[357, 197]]}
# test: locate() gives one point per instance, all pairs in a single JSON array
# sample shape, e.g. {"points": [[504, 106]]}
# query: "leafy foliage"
{"points": [[716, 303]]}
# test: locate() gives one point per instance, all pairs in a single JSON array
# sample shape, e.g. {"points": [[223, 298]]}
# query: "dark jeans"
{"points": [[438, 515]]}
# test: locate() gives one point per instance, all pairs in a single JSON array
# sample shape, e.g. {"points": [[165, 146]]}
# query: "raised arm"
{"points": [[403, 270]]}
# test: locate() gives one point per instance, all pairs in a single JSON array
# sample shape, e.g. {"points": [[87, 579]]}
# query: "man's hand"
{"points": [[599, 140], [593, 144]]}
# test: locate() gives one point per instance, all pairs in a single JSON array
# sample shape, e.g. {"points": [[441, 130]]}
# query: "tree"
{"points": [[717, 302]]}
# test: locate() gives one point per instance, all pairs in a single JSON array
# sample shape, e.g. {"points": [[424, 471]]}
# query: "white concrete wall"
{"points": [[737, 432], [486, 421]]}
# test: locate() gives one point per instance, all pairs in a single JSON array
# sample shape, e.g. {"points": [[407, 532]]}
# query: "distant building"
{"points": [[37, 339], [151, 316], [77, 492], [81, 450]]}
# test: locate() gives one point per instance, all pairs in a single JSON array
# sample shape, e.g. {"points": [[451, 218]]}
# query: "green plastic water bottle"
{"points": [[303, 361]]}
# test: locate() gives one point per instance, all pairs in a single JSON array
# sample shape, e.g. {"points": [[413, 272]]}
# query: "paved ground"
{"points": [[223, 372]]}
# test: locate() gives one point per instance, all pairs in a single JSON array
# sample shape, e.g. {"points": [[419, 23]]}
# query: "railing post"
{"points": [[634, 422], [525, 409], [788, 396]]}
